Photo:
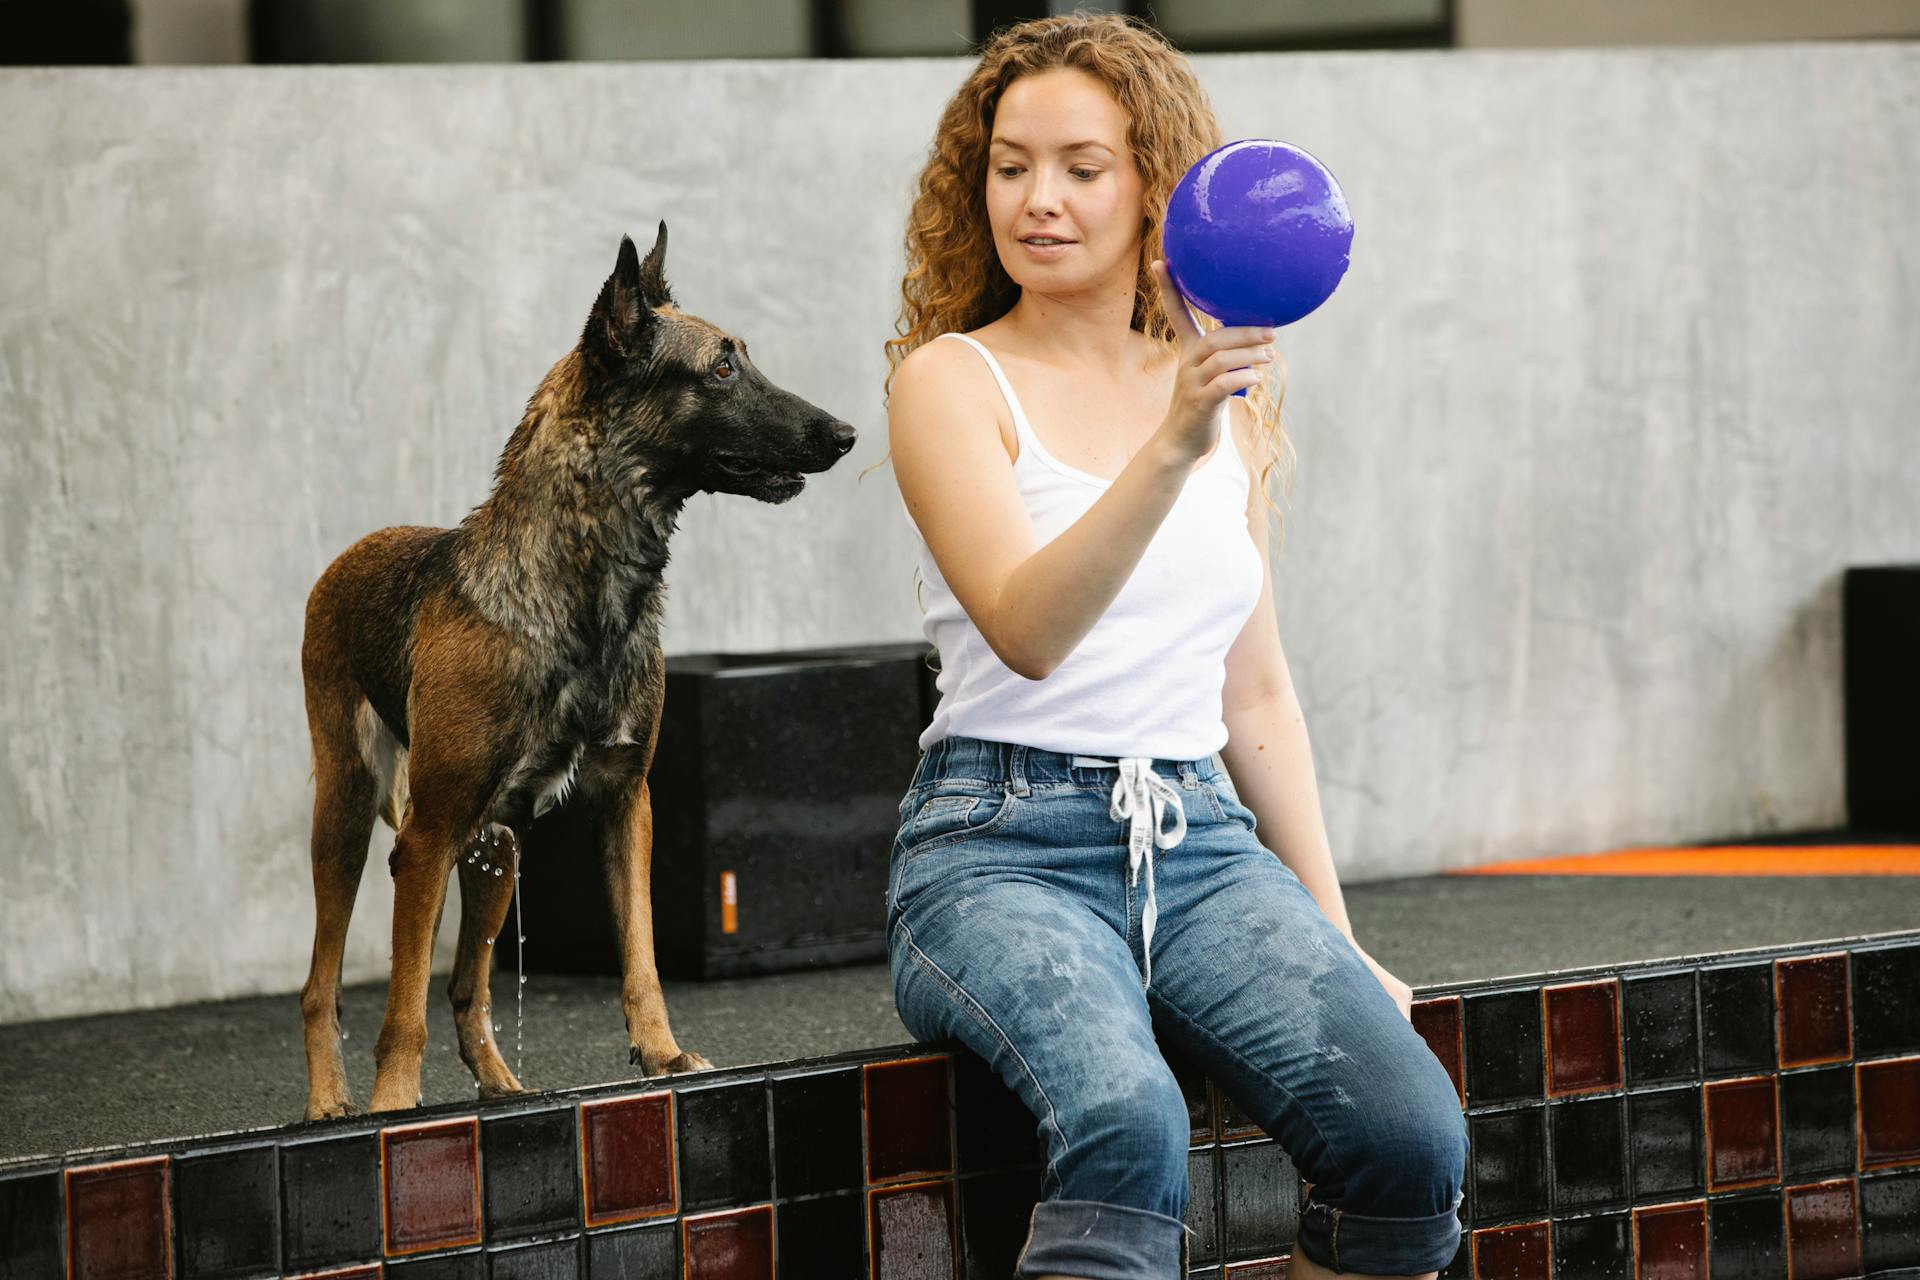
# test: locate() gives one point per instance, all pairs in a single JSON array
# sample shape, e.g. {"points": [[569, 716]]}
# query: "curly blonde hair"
{"points": [[955, 281]]}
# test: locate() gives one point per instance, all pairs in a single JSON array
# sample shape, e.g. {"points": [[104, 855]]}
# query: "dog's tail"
{"points": [[386, 760]]}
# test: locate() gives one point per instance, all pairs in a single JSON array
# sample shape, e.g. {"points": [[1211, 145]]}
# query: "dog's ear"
{"points": [[621, 324], [653, 272]]}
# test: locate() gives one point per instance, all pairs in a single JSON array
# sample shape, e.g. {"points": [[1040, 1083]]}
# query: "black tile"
{"points": [[1203, 1205], [329, 1202], [1890, 1221], [226, 1213], [822, 1239], [531, 1168], [1503, 1051], [1886, 1001], [1665, 1148], [1193, 1087], [1816, 1114], [1662, 1029], [557, 1260], [645, 1253], [1736, 1019], [996, 1210], [995, 1129], [723, 1146], [31, 1213], [1509, 1155], [1261, 1199], [816, 1132], [1596, 1248], [448, 1266], [1589, 1154], [1746, 1238]]}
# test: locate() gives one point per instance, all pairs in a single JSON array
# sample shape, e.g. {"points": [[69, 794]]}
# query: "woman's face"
{"points": [[1063, 196]]}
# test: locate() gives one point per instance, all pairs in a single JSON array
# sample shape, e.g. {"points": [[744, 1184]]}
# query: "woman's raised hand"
{"points": [[1212, 367]]}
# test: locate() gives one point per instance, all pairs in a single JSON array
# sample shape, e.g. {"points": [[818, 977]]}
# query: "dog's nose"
{"points": [[844, 436]]}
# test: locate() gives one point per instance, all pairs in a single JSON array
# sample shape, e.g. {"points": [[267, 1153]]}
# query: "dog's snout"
{"points": [[843, 436]]}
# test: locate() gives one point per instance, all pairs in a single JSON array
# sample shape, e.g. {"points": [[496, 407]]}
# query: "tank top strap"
{"points": [[1023, 429]]}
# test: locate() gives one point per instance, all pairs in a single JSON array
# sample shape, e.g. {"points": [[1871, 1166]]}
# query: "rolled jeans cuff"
{"points": [[1101, 1242], [1341, 1241]]}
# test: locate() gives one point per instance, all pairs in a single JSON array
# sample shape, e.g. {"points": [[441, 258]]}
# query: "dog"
{"points": [[460, 682]]}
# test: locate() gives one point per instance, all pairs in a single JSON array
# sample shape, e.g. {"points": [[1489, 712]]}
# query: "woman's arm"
{"points": [[1034, 604], [1268, 754]]}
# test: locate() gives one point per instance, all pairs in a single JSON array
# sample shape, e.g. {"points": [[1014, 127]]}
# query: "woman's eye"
{"points": [[1085, 175], [1007, 171], [723, 370]]}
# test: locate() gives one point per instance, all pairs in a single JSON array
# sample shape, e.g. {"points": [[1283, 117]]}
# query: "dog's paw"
{"points": [[684, 1061], [331, 1110]]}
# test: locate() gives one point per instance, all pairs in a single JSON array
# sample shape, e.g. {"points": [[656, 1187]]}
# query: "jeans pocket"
{"points": [[950, 812], [1227, 801]]}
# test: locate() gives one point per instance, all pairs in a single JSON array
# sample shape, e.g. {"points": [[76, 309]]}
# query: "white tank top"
{"points": [[1146, 681]]}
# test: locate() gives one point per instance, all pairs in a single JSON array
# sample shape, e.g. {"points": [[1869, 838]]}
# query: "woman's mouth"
{"points": [[1045, 246]]}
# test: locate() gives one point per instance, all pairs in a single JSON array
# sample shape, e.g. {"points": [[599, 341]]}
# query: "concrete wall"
{"points": [[1619, 382]]}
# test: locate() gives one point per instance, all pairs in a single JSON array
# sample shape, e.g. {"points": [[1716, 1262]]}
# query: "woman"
{"points": [[1073, 869]]}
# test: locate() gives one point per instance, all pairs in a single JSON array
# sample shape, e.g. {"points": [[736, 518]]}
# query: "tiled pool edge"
{"points": [[1652, 1119]]}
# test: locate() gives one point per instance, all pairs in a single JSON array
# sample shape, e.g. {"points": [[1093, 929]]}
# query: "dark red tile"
{"points": [[1671, 1242], [912, 1228], [431, 1185], [908, 1118], [117, 1223], [736, 1244], [1583, 1037], [1811, 998], [1438, 1022], [1259, 1269], [1889, 1094], [1743, 1133], [626, 1158], [1234, 1120], [1512, 1253], [1823, 1231]]}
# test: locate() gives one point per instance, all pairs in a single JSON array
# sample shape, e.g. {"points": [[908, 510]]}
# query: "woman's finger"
{"points": [[1173, 303]]}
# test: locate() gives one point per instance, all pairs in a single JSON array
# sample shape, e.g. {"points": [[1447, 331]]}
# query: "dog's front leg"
{"points": [[421, 862], [489, 868], [629, 866]]}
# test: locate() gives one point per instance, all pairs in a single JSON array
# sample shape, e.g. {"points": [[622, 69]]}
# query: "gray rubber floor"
{"points": [[77, 1083]]}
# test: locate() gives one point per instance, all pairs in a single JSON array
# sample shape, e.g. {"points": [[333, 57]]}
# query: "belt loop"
{"points": [[1189, 776], [1017, 770]]}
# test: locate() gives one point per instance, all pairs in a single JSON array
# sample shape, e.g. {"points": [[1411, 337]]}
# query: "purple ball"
{"points": [[1257, 233]]}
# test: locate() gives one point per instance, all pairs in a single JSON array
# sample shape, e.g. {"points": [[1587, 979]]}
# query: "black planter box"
{"points": [[777, 775], [1881, 626]]}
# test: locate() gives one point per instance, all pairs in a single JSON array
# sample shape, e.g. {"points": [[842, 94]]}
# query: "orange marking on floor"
{"points": [[1722, 860]]}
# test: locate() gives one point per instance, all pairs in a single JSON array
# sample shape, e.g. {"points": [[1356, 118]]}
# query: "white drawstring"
{"points": [[1144, 796]]}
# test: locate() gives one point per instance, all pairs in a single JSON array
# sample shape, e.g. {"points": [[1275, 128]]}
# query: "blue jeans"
{"points": [[1014, 926]]}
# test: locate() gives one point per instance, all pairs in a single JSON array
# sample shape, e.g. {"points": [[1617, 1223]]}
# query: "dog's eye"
{"points": [[724, 369]]}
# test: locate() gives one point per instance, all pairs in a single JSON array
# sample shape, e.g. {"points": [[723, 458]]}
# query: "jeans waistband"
{"points": [[1019, 766]]}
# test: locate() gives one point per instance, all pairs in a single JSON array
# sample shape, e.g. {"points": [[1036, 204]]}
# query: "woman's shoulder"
{"points": [[936, 365]]}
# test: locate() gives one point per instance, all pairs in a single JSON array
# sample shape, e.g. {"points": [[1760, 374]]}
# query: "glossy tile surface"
{"points": [[823, 1238], [1823, 1231], [1583, 1037], [32, 1209], [1815, 1022], [227, 1213], [1671, 1242], [1598, 1247], [913, 1231], [736, 1244], [1661, 1028], [1746, 1237], [1260, 1200], [554, 1260], [1667, 1144], [118, 1223], [1438, 1022], [533, 1177], [1503, 1048], [432, 1178], [908, 1119], [995, 1210], [995, 1129], [722, 1136], [1889, 1096], [329, 1202], [1886, 1000], [1817, 1122], [1508, 1154], [1736, 1019], [1743, 1133], [1589, 1153], [817, 1132], [1512, 1253], [627, 1157], [1890, 1221], [647, 1252]]}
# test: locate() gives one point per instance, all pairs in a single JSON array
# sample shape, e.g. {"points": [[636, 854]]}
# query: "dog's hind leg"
{"points": [[421, 862], [487, 882], [350, 753]]}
